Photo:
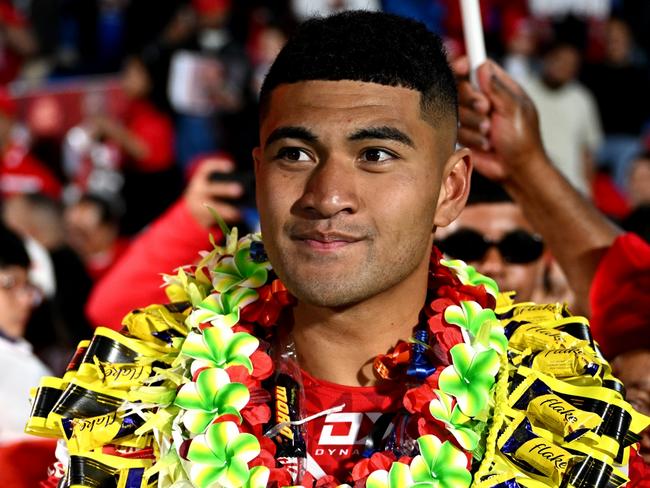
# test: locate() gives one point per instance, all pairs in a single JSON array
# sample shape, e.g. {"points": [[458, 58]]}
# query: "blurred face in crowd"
{"points": [[499, 242], [633, 369], [17, 299], [86, 232], [619, 42], [561, 66], [639, 182], [349, 179], [135, 79]]}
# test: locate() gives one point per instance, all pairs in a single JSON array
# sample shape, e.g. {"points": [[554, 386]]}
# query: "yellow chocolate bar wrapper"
{"points": [[81, 400], [560, 416], [545, 456], [533, 312], [538, 337], [536, 456], [563, 363], [44, 398], [620, 424]]}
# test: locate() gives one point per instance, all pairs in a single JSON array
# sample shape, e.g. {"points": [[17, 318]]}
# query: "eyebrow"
{"points": [[291, 132], [383, 132]]}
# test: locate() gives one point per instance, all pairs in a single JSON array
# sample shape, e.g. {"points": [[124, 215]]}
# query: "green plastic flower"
{"points": [[212, 396], [221, 308], [220, 458], [439, 465], [481, 322], [239, 271], [470, 378], [457, 423], [220, 347], [469, 276]]}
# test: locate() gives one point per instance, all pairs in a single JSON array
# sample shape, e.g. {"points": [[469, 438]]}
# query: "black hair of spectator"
{"points": [[639, 222], [12, 249], [109, 212], [156, 59], [43, 202], [483, 190], [642, 156], [369, 47], [556, 45]]}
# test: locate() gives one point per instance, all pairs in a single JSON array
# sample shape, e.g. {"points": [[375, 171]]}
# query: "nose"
{"points": [[492, 264], [330, 190]]}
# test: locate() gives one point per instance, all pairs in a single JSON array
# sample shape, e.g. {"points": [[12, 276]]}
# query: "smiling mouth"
{"points": [[325, 241]]}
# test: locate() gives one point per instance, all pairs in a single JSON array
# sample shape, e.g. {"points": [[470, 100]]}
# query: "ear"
{"points": [[257, 158], [454, 188]]}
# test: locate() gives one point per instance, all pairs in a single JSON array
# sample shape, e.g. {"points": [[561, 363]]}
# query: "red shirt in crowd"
{"points": [[156, 131]]}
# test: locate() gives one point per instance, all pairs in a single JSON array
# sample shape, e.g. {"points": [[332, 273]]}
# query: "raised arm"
{"points": [[499, 123]]}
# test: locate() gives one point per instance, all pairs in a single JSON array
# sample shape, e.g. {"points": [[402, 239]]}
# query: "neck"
{"points": [[340, 344]]}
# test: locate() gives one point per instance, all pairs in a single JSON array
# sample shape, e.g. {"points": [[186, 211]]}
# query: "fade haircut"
{"points": [[370, 47]]}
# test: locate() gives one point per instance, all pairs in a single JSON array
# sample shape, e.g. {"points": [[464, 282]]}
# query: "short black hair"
{"points": [[484, 190], [110, 211], [370, 47], [12, 249]]}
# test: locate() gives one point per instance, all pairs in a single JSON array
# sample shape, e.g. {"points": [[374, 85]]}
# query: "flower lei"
{"points": [[216, 420]]}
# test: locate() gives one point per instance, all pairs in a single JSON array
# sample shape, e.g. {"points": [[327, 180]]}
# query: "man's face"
{"points": [[633, 369], [494, 221], [16, 301], [348, 176]]}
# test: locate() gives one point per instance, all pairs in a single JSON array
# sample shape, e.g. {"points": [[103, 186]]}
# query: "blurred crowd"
{"points": [[121, 117]]}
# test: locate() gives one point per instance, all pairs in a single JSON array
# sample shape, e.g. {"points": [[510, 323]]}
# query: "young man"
{"points": [[356, 169]]}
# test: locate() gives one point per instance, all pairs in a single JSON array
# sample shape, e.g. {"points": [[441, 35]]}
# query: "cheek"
{"points": [[522, 276]]}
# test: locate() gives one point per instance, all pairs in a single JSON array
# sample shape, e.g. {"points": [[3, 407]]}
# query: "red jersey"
{"points": [[336, 441]]}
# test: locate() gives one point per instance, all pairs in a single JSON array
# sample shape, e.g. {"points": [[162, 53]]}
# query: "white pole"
{"points": [[473, 32]]}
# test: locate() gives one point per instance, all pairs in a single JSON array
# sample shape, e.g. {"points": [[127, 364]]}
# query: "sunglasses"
{"points": [[516, 247]]}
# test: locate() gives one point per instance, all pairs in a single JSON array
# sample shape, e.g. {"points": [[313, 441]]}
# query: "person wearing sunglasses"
{"points": [[493, 235], [21, 369]]}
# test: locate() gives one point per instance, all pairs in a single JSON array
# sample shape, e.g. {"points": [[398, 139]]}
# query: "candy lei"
{"points": [[232, 286], [177, 399]]}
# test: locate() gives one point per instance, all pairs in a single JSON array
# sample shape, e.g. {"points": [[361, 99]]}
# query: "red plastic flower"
{"points": [[266, 309], [379, 460]]}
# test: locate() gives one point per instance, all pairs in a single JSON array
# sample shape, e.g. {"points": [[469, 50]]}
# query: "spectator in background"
{"points": [[619, 85], [20, 172], [493, 235], [145, 139], [520, 43], [209, 79], [568, 116], [172, 240], [92, 230], [16, 42], [638, 180], [59, 323], [21, 369]]}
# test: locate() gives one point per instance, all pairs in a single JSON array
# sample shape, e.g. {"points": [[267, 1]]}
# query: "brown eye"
{"points": [[293, 154], [377, 155]]}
